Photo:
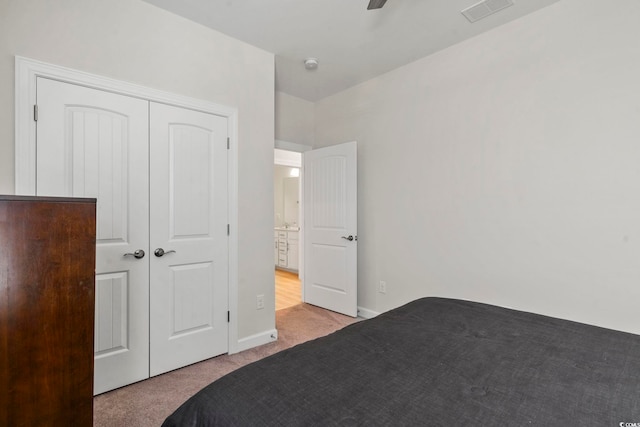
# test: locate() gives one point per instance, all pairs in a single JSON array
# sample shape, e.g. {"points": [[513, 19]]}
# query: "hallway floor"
{"points": [[288, 290]]}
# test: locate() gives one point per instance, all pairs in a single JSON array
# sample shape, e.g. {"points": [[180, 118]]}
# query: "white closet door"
{"points": [[189, 282], [92, 143]]}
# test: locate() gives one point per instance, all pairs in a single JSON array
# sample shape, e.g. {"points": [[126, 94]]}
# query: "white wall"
{"points": [[294, 119], [505, 169], [133, 41]]}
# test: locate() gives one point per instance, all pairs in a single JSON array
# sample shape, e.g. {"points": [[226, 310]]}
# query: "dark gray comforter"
{"points": [[435, 362]]}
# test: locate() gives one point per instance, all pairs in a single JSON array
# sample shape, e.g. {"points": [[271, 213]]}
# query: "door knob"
{"points": [[160, 252], [137, 254], [349, 238]]}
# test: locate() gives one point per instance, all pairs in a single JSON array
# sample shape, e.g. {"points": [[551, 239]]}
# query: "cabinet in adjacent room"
{"points": [[292, 250], [47, 266], [286, 249], [282, 249]]}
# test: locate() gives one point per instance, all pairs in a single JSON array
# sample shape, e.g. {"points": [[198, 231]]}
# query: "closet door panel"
{"points": [[93, 143], [189, 282]]}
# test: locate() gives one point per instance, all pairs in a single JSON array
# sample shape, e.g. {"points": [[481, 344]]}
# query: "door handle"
{"points": [[349, 238], [137, 254], [160, 252]]}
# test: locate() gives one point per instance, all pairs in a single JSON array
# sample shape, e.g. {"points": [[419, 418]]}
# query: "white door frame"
{"points": [[28, 70]]}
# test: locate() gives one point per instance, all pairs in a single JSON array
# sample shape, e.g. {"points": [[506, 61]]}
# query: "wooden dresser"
{"points": [[47, 268]]}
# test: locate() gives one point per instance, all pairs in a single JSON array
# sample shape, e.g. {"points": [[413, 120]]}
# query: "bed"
{"points": [[435, 362]]}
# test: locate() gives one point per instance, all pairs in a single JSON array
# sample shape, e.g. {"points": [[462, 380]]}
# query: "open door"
{"points": [[330, 228]]}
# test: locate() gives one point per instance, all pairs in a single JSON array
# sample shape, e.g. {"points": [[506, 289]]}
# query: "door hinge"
{"points": [[228, 316], [35, 113], [228, 143], [228, 229]]}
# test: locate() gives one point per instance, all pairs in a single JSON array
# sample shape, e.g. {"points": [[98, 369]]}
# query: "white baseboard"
{"points": [[365, 313], [257, 339]]}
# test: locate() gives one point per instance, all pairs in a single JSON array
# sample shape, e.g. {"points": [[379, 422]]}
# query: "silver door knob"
{"points": [[160, 252], [349, 238], [137, 254]]}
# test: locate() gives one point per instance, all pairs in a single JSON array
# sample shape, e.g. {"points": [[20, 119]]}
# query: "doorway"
{"points": [[103, 129], [287, 227], [158, 185], [325, 233]]}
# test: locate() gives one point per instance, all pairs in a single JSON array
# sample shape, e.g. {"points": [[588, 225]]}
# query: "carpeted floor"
{"points": [[149, 402]]}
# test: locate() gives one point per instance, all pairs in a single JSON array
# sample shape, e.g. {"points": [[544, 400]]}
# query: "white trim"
{"points": [[233, 231], [25, 129], [28, 70], [365, 313], [291, 146], [257, 339], [301, 223], [287, 158]]}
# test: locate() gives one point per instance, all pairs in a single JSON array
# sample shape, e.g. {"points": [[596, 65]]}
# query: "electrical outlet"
{"points": [[259, 302], [383, 287]]}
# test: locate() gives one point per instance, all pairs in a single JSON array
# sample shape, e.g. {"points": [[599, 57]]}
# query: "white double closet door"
{"points": [[159, 174]]}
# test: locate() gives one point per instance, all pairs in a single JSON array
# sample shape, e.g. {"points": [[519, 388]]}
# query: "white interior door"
{"points": [[330, 228], [189, 282], [92, 143]]}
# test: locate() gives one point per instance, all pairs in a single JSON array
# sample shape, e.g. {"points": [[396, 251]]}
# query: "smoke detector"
{"points": [[311, 63], [485, 8]]}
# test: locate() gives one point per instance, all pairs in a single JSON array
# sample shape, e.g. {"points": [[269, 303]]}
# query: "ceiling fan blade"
{"points": [[376, 4]]}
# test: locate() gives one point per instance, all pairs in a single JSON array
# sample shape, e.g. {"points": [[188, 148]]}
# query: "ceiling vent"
{"points": [[485, 8]]}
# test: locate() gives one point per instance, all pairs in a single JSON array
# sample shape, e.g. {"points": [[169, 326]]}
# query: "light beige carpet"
{"points": [[149, 402]]}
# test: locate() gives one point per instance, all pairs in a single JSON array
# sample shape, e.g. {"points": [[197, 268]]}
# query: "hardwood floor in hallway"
{"points": [[288, 289]]}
